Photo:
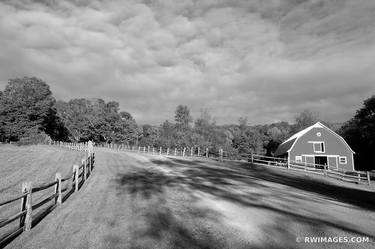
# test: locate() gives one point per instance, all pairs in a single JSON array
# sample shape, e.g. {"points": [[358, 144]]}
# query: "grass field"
{"points": [[37, 164], [142, 201]]}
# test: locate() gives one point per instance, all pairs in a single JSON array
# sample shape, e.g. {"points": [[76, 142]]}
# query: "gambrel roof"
{"points": [[288, 144]]}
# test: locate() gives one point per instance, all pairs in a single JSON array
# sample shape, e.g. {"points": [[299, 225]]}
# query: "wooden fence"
{"points": [[183, 152], [361, 177], [63, 187]]}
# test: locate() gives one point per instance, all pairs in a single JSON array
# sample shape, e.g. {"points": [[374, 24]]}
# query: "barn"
{"points": [[317, 145]]}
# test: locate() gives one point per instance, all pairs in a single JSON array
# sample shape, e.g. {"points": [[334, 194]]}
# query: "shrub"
{"points": [[34, 137]]}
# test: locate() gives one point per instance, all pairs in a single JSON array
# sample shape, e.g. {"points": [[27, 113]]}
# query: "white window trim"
{"points": [[318, 142], [298, 159], [345, 160]]}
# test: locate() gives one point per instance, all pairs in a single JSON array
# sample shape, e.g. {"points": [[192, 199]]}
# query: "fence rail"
{"points": [[184, 152], [361, 177], [25, 215]]}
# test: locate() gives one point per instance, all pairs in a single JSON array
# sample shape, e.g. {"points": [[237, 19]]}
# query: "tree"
{"points": [[150, 135], [129, 128], [249, 141], [203, 125], [359, 132], [182, 117], [78, 118], [97, 120], [242, 123], [303, 120], [26, 105]]}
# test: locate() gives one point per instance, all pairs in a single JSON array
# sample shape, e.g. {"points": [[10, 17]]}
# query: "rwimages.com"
{"points": [[333, 239]]}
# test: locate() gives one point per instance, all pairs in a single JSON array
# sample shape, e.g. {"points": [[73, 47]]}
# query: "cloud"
{"points": [[267, 60]]}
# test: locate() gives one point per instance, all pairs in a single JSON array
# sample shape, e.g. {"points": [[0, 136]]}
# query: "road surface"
{"points": [[143, 201]]}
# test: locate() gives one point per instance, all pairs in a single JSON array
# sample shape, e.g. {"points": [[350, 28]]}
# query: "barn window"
{"points": [[319, 147], [299, 159], [343, 160]]}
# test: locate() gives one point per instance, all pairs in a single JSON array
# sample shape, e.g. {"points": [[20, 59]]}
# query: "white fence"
{"points": [[361, 177]]}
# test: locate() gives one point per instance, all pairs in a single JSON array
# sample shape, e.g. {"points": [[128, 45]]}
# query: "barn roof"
{"points": [[284, 147], [287, 145]]}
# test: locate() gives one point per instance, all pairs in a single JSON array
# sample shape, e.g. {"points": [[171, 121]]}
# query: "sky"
{"points": [[264, 60]]}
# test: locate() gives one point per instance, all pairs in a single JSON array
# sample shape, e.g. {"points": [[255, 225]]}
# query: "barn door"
{"points": [[320, 161]]}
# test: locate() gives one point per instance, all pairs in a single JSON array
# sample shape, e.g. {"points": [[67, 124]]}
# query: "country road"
{"points": [[143, 201]]}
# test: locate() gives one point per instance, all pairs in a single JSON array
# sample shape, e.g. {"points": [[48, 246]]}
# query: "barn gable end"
{"points": [[320, 145]]}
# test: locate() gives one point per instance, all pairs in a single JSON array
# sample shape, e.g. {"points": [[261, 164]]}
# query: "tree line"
{"points": [[30, 114]]}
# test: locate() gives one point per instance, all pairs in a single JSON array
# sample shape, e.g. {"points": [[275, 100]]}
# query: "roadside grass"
{"points": [[37, 164]]}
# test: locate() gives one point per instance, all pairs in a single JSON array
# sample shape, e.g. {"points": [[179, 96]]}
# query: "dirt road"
{"points": [[139, 201]]}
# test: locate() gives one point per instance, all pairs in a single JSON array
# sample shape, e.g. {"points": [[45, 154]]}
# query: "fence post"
{"points": [[359, 177], [207, 152], [153, 150], [325, 170], [368, 177], [198, 151], [175, 151], [252, 157], [26, 205], [148, 149], [76, 177], [191, 151], [83, 162], [89, 162], [167, 151], [183, 154], [58, 198], [160, 151], [92, 160]]}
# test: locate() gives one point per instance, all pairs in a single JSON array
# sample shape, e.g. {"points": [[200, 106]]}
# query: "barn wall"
{"points": [[333, 146]]}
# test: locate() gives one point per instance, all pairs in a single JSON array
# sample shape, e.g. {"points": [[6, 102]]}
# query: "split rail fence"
{"points": [[63, 187], [361, 177]]}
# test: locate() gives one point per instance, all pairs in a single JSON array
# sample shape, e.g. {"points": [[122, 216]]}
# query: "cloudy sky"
{"points": [[266, 60]]}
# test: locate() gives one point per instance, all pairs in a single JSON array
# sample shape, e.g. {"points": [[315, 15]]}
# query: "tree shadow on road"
{"points": [[221, 180], [144, 182], [222, 173], [163, 222], [239, 183]]}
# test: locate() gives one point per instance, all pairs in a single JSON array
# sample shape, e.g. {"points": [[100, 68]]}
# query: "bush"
{"points": [[34, 137]]}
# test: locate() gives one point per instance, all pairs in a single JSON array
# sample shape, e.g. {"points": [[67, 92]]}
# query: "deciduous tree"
{"points": [[26, 105], [359, 132], [182, 117]]}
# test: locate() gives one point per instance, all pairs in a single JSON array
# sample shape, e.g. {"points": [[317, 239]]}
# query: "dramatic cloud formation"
{"points": [[267, 60]]}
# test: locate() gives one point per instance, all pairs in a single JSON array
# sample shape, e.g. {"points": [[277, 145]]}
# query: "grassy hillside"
{"points": [[37, 164]]}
